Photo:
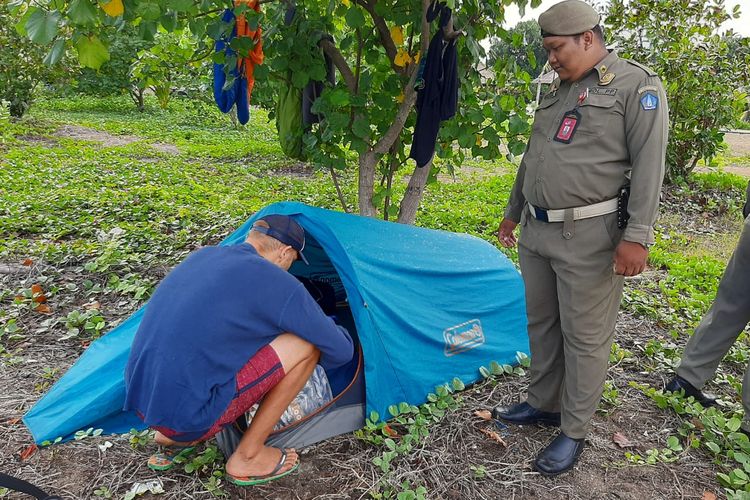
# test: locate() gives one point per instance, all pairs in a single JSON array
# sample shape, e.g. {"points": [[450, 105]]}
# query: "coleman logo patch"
{"points": [[463, 337]]}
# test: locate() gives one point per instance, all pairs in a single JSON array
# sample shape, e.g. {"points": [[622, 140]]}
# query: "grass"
{"points": [[102, 222]]}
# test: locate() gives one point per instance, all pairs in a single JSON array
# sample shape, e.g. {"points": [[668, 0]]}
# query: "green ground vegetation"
{"points": [[109, 215]]}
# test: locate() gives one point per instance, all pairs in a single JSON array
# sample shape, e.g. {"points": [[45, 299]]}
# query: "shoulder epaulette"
{"points": [[648, 70]]}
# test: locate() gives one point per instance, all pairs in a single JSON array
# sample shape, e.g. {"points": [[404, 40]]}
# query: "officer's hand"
{"points": [[630, 258], [505, 233]]}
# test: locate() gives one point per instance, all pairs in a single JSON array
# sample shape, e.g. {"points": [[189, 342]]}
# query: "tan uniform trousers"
{"points": [[572, 299], [722, 324]]}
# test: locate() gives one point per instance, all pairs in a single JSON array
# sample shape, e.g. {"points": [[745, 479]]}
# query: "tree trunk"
{"points": [[367, 162], [407, 213]]}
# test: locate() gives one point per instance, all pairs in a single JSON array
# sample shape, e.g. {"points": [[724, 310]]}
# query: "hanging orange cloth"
{"points": [[247, 64]]}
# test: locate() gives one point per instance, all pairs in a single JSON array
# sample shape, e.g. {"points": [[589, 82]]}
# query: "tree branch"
{"points": [[383, 33], [410, 95], [338, 60]]}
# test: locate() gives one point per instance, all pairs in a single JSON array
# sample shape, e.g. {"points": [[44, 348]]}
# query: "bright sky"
{"points": [[740, 25]]}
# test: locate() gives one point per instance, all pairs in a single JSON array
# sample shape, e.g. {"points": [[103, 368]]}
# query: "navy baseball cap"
{"points": [[286, 230]]}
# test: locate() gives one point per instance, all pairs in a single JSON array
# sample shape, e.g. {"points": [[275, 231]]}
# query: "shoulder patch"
{"points": [[648, 70], [646, 88], [649, 101]]}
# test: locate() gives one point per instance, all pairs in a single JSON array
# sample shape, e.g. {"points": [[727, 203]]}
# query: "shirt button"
{"points": [[549, 139], [541, 158]]}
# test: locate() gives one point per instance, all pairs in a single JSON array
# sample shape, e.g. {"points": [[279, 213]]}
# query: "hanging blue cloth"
{"points": [[236, 94]]}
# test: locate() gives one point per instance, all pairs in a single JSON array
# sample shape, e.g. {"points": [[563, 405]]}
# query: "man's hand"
{"points": [[505, 233], [630, 258]]}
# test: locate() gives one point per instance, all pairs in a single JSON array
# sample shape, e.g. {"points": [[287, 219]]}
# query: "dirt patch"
{"points": [[298, 170], [87, 134], [457, 460], [38, 140], [79, 133], [164, 147], [738, 142]]}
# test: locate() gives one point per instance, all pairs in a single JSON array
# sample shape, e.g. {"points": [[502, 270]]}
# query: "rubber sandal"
{"points": [[168, 456], [272, 476]]}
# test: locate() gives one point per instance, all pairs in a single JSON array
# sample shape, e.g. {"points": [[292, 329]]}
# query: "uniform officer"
{"points": [[725, 320], [602, 125]]}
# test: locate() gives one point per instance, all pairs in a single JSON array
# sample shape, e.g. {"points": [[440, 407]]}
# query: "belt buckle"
{"points": [[540, 214]]}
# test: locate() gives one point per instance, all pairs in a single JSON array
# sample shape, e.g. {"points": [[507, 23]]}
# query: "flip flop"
{"points": [[272, 476], [168, 457]]}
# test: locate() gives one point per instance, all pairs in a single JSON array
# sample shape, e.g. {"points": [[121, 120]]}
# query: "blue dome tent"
{"points": [[425, 306]]}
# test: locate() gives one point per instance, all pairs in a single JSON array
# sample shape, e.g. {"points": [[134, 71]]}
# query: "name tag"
{"points": [[568, 126]]}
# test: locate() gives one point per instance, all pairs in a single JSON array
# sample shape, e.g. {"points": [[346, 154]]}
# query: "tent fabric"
{"points": [[427, 305]]}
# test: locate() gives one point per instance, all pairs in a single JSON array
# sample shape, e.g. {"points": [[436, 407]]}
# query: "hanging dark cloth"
{"points": [[314, 89], [437, 97]]}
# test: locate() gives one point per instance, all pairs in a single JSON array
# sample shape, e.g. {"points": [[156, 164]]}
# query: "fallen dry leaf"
{"points": [[38, 294], [387, 429], [483, 414], [28, 451], [707, 495], [494, 436], [621, 440], [43, 308], [92, 305], [13, 421], [27, 262]]}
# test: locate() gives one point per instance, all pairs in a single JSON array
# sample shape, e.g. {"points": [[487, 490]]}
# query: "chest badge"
{"points": [[606, 79], [568, 126]]}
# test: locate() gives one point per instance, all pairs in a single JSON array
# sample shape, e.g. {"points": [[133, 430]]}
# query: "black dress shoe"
{"points": [[559, 456], [678, 384], [524, 413]]}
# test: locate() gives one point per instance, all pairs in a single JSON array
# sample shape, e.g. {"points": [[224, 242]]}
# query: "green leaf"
{"points": [[354, 17], [484, 372], [300, 79], [91, 52], [361, 127], [495, 368], [261, 72], [147, 30], [374, 416], [338, 97], [734, 424], [82, 12], [55, 53], [169, 21], [41, 26], [713, 446], [517, 125], [673, 443], [393, 410], [180, 5], [457, 384], [148, 10]]}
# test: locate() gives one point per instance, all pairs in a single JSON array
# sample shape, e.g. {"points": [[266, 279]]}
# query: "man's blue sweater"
{"points": [[205, 320]]}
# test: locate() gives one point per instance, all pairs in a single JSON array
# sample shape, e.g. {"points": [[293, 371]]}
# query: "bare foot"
{"points": [[163, 440], [262, 464]]}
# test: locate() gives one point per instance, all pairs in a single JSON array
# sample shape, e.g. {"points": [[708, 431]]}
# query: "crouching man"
{"points": [[227, 328]]}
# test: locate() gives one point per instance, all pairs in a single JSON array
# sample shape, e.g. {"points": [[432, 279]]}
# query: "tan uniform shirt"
{"points": [[621, 138]]}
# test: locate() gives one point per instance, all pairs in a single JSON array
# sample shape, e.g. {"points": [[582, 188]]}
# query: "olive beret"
{"points": [[569, 17]]}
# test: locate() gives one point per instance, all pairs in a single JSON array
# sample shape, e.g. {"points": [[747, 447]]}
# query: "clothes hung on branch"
{"points": [[437, 94], [242, 76], [294, 106]]}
